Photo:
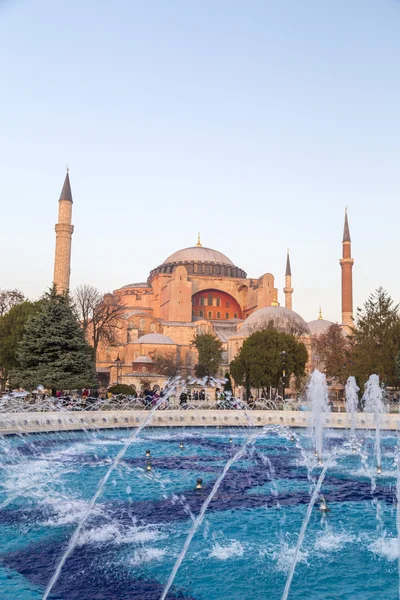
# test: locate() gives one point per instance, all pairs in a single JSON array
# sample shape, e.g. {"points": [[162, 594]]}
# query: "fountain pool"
{"points": [[244, 547]]}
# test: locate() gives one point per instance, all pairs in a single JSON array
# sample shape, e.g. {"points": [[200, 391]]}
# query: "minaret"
{"points": [[346, 263], [288, 290], [64, 230]]}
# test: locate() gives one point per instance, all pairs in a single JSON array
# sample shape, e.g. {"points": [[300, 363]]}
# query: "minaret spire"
{"points": [[346, 262], [288, 290], [64, 230]]}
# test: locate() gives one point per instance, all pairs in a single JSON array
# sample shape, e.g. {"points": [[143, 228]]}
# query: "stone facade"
{"points": [[195, 290]]}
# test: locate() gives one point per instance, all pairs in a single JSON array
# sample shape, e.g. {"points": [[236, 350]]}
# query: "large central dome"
{"points": [[199, 260], [199, 254]]}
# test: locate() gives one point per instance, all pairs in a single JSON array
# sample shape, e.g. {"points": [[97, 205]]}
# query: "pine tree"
{"points": [[376, 339], [53, 351]]}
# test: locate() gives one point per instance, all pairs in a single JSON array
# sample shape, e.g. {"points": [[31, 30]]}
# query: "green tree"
{"points": [[209, 349], [334, 351], [12, 328], [53, 350], [122, 388], [375, 339], [259, 361]]}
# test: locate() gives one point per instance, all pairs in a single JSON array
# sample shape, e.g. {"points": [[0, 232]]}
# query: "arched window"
{"points": [[201, 314], [209, 314], [218, 315], [142, 324], [203, 268], [211, 270], [195, 269], [210, 300], [202, 301], [235, 315], [226, 315], [218, 301], [227, 305], [153, 327]]}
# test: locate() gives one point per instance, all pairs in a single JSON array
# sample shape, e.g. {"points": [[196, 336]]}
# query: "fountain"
{"points": [[373, 403], [317, 394], [117, 511], [352, 390]]}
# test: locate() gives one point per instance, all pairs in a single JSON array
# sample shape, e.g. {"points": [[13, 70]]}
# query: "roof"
{"points": [[319, 326], [281, 318], [143, 359], [154, 338], [346, 230], [66, 193], [141, 284], [198, 254], [288, 269]]}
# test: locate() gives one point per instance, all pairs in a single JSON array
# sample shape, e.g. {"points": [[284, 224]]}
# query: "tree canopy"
{"points": [[259, 362], [53, 350], [209, 349], [100, 315], [12, 328], [10, 298], [334, 352], [166, 364], [375, 339]]}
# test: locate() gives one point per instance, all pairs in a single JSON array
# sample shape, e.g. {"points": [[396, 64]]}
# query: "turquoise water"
{"points": [[244, 547]]}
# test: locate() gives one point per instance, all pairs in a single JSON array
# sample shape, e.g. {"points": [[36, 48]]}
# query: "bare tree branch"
{"points": [[101, 315], [10, 298]]}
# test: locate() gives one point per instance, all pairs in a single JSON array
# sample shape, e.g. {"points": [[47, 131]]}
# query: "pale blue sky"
{"points": [[254, 122]]}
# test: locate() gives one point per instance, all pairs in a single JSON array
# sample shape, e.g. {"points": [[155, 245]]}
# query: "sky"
{"points": [[253, 122]]}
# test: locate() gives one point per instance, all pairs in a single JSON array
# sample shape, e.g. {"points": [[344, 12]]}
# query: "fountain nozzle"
{"points": [[323, 505], [181, 445], [316, 454], [292, 438], [148, 466], [147, 453], [230, 440], [320, 461], [353, 450], [199, 484], [379, 470]]}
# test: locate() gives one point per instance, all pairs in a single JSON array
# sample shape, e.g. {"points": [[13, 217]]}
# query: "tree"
{"points": [[398, 366], [209, 349], [259, 362], [10, 298], [228, 384], [12, 328], [334, 351], [53, 350], [375, 339], [122, 388], [99, 314], [166, 364]]}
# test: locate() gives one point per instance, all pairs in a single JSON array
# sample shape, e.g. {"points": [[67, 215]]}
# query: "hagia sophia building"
{"points": [[195, 290]]}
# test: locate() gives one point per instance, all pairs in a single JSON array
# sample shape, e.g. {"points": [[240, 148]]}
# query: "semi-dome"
{"points": [[319, 326], [199, 254], [154, 338], [279, 317]]}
